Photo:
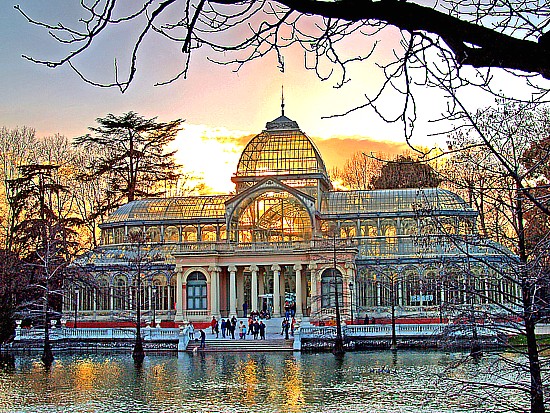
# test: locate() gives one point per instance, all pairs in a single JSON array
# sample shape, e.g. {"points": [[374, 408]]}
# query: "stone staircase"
{"points": [[274, 341], [246, 346]]}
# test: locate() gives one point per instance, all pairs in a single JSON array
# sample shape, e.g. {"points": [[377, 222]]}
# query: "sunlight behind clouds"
{"points": [[210, 153]]}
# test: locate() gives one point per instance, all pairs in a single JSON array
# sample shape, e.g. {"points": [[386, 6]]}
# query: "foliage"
{"points": [[130, 156], [358, 171], [489, 165], [405, 172]]}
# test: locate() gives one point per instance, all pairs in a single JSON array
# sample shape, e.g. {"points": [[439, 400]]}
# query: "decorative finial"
{"points": [[283, 100]]}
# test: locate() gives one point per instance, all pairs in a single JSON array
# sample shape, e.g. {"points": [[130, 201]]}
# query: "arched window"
{"points": [[328, 281], [103, 296], [272, 216], [348, 229], [158, 284], [153, 234], [189, 234], [171, 234], [409, 226], [223, 233], [208, 233], [196, 291], [369, 228], [120, 293], [119, 235], [107, 236]]}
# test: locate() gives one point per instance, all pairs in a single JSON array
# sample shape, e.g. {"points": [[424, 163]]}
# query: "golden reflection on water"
{"points": [[285, 389], [90, 374], [247, 377], [293, 387], [362, 382], [162, 381]]}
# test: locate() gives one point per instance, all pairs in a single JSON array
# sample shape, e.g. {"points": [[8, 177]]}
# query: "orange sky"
{"points": [[213, 153]]}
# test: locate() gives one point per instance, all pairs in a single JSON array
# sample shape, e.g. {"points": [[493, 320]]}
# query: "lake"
{"points": [[371, 381]]}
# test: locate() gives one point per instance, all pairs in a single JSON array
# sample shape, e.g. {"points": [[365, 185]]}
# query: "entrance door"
{"points": [[265, 303]]}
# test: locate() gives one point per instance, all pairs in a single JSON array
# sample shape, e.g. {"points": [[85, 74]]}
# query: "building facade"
{"points": [[287, 239]]}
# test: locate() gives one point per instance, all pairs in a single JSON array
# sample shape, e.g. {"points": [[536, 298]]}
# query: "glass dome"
{"points": [[281, 149]]}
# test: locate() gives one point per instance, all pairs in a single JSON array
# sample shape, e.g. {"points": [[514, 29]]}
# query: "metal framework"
{"points": [[417, 240]]}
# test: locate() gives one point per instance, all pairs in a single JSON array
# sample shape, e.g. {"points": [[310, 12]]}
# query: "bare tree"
{"points": [[445, 46], [45, 242], [358, 171], [16, 146], [498, 140]]}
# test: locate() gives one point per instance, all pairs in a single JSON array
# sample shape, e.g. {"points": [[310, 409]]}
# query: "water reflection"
{"points": [[359, 382]]}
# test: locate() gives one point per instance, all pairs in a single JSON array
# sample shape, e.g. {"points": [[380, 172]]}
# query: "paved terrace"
{"points": [[180, 337]]}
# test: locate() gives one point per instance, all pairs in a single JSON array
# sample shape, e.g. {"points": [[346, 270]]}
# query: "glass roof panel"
{"points": [[394, 200], [171, 208], [281, 149]]}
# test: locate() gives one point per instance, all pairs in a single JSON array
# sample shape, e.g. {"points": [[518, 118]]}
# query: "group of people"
{"points": [[290, 309], [287, 325], [228, 327]]}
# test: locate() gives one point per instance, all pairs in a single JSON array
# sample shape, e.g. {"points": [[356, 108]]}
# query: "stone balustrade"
{"points": [[64, 333]]}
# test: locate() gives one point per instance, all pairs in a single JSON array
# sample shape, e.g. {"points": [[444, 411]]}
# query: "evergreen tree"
{"points": [[132, 156]]}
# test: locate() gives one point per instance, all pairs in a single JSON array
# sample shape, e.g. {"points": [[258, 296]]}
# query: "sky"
{"points": [[222, 108]]}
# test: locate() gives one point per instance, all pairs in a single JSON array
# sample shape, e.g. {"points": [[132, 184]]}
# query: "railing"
{"points": [[265, 246], [401, 330], [380, 330], [191, 314], [378, 246], [156, 334]]}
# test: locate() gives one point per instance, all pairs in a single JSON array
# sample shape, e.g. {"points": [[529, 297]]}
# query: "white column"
{"points": [[232, 291], [350, 272], [298, 269], [314, 293], [214, 291], [254, 293], [276, 290], [179, 298], [111, 298], [150, 295]]}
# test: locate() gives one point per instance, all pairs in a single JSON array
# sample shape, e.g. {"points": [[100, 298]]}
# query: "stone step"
{"points": [[242, 345]]}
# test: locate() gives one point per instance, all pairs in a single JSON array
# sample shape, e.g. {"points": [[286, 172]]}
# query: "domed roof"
{"points": [[415, 201], [281, 149], [170, 209]]}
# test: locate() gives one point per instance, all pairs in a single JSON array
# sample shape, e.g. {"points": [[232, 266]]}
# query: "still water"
{"points": [[364, 382]]}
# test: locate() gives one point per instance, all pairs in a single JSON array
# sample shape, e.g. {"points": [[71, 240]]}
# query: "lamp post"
{"points": [[392, 293], [338, 349], [154, 305], [350, 285], [76, 293]]}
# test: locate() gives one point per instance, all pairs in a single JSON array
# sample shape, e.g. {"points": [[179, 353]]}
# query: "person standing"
{"points": [[256, 329], [287, 325], [203, 339], [224, 327], [242, 331], [292, 325], [233, 327], [283, 324], [213, 324], [261, 327]]}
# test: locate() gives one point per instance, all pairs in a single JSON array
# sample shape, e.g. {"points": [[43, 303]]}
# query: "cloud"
{"points": [[336, 150], [213, 153]]}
